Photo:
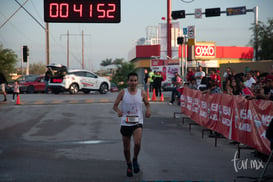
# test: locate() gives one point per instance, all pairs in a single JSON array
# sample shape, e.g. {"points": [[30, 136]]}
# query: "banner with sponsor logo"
{"points": [[235, 117]]}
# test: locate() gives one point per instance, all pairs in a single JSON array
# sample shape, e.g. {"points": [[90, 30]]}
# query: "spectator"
{"points": [[226, 76], [16, 90], [213, 76], [234, 87], [199, 75], [151, 80], [48, 75], [249, 80], [218, 78], [192, 84], [157, 83], [177, 82], [212, 89], [146, 77], [190, 75], [268, 81], [3, 82]]}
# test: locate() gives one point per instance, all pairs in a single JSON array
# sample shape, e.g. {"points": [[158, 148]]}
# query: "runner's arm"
{"points": [[146, 103], [116, 103]]}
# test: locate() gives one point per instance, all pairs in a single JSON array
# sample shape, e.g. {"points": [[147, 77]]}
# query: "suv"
{"points": [[76, 80]]}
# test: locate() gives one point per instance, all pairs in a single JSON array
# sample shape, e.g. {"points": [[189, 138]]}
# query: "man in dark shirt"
{"points": [[3, 82]]}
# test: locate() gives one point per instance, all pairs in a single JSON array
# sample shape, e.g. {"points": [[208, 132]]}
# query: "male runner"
{"points": [[131, 119]]}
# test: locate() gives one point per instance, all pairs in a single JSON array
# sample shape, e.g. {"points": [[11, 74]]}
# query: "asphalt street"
{"points": [[80, 141]]}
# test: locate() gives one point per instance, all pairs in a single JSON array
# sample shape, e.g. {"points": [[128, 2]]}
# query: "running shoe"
{"points": [[136, 166], [129, 172]]}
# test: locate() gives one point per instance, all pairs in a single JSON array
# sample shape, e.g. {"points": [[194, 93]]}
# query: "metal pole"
{"points": [[82, 50], [67, 49], [256, 33], [47, 44], [182, 60], [169, 27], [27, 71], [22, 60], [186, 55]]}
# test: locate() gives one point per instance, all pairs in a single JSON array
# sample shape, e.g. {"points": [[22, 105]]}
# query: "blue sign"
{"points": [[185, 31], [236, 11]]}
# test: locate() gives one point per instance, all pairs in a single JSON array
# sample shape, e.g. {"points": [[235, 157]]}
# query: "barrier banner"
{"points": [[234, 117]]}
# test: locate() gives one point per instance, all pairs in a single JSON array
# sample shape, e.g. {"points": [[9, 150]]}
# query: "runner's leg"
{"points": [[137, 141]]}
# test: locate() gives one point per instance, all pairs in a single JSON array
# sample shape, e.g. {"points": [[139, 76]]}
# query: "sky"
{"points": [[102, 41]]}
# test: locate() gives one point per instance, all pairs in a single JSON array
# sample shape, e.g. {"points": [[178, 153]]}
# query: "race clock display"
{"points": [[82, 11]]}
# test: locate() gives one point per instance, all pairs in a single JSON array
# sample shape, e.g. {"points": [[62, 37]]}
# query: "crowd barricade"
{"points": [[235, 117]]}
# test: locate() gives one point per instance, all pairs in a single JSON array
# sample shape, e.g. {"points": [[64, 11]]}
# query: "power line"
{"points": [[13, 14], [31, 15]]}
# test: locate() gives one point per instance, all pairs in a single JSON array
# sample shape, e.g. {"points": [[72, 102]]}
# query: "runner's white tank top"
{"points": [[132, 107]]}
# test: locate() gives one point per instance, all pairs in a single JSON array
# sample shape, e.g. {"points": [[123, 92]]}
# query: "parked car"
{"points": [[114, 87], [32, 84], [9, 86], [76, 80]]}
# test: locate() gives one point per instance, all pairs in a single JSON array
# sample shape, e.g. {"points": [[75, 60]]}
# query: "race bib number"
{"points": [[132, 119]]}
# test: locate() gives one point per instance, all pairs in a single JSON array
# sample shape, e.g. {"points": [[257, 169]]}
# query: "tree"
{"points": [[264, 41], [120, 77], [106, 62], [37, 68], [118, 61], [8, 60]]}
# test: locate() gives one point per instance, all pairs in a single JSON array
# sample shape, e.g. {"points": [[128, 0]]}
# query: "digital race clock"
{"points": [[82, 11]]}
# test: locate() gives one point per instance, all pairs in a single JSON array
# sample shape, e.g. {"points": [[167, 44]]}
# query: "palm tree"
{"points": [[106, 62]]}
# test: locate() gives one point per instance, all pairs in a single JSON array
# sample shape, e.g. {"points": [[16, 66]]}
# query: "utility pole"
{"points": [[67, 35], [255, 10], [67, 49], [82, 50], [47, 44]]}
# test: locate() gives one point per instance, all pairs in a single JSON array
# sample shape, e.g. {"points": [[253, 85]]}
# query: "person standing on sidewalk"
{"points": [[16, 90], [132, 119], [151, 80], [157, 83], [47, 78], [3, 82]]}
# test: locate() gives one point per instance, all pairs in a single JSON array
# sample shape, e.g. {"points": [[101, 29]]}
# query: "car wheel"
{"points": [[103, 88], [30, 89], [74, 88]]}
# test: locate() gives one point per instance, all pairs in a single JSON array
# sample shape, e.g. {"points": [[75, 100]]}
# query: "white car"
{"points": [[78, 80]]}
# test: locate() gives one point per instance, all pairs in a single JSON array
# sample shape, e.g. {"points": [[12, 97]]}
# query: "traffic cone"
{"points": [[148, 96], [154, 97], [162, 97], [18, 100]]}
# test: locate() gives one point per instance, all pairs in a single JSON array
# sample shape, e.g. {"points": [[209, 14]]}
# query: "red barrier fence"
{"points": [[235, 117]]}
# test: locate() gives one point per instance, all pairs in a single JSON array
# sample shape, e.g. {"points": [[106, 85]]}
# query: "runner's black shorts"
{"points": [[129, 130]]}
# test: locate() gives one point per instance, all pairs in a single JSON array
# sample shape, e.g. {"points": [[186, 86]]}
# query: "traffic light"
{"points": [[180, 40], [213, 12], [25, 53], [178, 14]]}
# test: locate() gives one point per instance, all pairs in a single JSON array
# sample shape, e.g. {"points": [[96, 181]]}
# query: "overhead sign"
{"points": [[204, 51], [236, 11], [185, 31], [191, 32], [198, 13]]}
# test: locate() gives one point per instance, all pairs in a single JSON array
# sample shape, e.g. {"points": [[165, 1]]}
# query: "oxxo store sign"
{"points": [[204, 51]]}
